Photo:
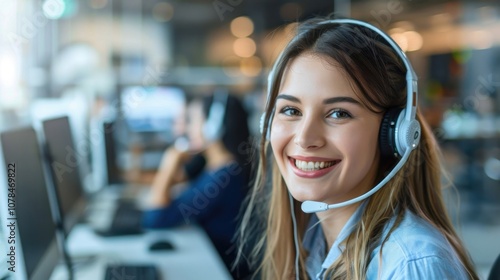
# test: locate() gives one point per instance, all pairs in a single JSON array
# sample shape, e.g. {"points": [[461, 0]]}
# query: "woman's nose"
{"points": [[309, 133]]}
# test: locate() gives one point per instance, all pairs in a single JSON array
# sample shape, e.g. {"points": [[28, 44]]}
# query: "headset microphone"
{"points": [[309, 206]]}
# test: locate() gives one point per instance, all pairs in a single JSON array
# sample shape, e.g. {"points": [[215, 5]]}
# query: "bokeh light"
{"points": [[244, 47], [242, 27]]}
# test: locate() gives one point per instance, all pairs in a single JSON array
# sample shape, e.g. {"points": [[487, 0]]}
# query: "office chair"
{"points": [[495, 270]]}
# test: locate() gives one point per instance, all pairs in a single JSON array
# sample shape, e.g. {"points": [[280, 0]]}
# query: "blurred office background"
{"points": [[115, 63]]}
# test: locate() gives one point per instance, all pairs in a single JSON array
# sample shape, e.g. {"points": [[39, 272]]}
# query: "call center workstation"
{"points": [[64, 232]]}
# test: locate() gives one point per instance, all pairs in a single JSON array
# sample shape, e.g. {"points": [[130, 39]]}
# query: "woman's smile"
{"points": [[308, 167]]}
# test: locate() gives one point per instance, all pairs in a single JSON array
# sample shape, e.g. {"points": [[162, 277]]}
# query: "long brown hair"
{"points": [[378, 74]]}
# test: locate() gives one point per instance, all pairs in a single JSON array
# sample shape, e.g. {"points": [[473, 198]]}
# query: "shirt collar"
{"points": [[314, 242], [335, 250]]}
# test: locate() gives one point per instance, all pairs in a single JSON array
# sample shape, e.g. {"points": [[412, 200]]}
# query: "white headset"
{"points": [[213, 129], [399, 132]]}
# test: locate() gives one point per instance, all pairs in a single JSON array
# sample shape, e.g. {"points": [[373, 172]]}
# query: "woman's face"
{"points": [[324, 140]]}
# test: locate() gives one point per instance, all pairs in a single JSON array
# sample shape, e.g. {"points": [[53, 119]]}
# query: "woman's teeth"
{"points": [[313, 165]]}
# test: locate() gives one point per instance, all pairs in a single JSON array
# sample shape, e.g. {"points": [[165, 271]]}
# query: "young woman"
{"points": [[218, 131], [331, 90]]}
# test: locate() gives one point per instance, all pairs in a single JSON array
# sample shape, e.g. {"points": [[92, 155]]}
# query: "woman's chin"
{"points": [[305, 195]]}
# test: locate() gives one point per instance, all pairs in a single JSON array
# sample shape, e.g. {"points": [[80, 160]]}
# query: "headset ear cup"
{"points": [[213, 129], [209, 128], [387, 133], [208, 132]]}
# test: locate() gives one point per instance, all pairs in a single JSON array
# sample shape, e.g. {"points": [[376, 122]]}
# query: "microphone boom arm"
{"points": [[309, 206]]}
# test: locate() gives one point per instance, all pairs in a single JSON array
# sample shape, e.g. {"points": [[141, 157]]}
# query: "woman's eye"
{"points": [[290, 111], [340, 114]]}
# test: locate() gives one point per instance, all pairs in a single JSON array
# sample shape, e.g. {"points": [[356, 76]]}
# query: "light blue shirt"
{"points": [[414, 250]]}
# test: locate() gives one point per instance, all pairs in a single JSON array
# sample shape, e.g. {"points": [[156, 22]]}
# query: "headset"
{"points": [[399, 131], [213, 129]]}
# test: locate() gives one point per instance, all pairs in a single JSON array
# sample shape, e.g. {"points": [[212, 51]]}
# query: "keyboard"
{"points": [[131, 272], [126, 221]]}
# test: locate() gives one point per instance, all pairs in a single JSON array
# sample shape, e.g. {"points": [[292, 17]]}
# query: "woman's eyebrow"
{"points": [[288, 97], [339, 99], [327, 101]]}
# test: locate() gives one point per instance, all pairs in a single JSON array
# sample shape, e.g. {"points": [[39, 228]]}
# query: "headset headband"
{"points": [[411, 77]]}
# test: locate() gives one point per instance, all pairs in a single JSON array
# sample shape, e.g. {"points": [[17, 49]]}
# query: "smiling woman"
{"points": [[345, 139]]}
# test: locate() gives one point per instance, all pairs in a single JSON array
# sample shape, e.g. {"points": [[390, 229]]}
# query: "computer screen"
{"points": [[113, 173], [63, 160], [32, 216], [151, 109]]}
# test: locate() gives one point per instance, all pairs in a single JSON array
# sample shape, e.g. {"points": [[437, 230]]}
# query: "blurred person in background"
{"points": [[214, 166]]}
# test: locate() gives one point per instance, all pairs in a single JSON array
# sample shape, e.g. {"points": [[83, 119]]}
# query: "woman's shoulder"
{"points": [[416, 248], [416, 237]]}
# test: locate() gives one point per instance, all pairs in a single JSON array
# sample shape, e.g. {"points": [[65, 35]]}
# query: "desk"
{"points": [[194, 256]]}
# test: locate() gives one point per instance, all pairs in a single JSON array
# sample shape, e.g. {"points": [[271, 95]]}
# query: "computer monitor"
{"points": [[63, 160], [36, 241], [151, 109], [113, 173]]}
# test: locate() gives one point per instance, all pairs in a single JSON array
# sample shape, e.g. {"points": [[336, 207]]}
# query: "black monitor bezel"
{"points": [[52, 255], [70, 218]]}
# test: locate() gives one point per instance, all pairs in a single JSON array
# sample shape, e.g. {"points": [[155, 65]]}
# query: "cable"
{"points": [[295, 237]]}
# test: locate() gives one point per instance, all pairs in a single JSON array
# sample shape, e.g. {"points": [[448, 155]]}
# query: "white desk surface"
{"points": [[194, 256]]}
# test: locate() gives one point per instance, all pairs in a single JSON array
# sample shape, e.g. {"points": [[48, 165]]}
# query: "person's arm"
{"points": [[197, 202], [170, 173]]}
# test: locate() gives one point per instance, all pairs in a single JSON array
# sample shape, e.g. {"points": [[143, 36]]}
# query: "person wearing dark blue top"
{"points": [[213, 194], [212, 200]]}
